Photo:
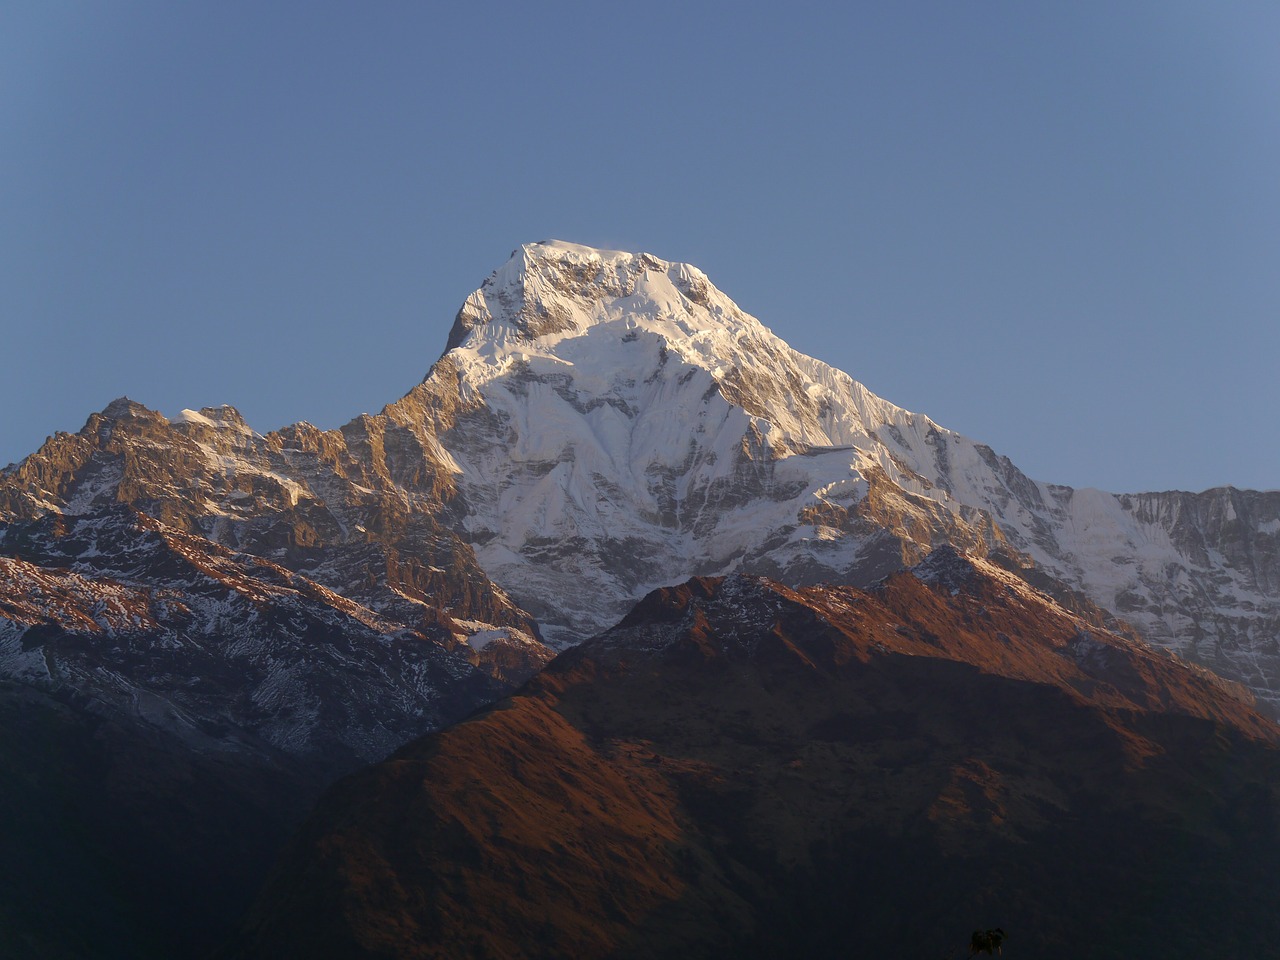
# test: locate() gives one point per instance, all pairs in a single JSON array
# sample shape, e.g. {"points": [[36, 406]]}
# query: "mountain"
{"points": [[603, 423], [228, 579], [267, 612], [178, 692], [621, 424], [742, 769]]}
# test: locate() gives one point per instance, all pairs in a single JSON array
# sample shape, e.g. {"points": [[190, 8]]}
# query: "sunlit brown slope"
{"points": [[743, 770]]}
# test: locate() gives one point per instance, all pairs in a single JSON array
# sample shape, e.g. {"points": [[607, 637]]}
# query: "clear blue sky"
{"points": [[1054, 227]]}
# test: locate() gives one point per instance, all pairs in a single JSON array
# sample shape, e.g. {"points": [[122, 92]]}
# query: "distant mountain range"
{"points": [[293, 605]]}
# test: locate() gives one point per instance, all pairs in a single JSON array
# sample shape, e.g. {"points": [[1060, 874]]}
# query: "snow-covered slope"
{"points": [[624, 424], [620, 423]]}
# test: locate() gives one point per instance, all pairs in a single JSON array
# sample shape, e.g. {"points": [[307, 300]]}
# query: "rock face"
{"points": [[740, 769], [278, 586], [362, 509]]}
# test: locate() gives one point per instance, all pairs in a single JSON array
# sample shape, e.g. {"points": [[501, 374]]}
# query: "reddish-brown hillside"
{"points": [[739, 769]]}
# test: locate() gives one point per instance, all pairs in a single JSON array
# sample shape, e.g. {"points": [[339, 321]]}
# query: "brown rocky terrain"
{"points": [[740, 769], [363, 510]]}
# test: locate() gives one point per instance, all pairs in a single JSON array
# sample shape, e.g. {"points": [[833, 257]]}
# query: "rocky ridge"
{"points": [[175, 554]]}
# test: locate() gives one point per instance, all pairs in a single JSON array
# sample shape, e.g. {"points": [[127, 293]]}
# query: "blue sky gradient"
{"points": [[1052, 227]]}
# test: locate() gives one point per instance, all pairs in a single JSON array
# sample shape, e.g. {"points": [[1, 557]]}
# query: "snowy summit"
{"points": [[631, 426]]}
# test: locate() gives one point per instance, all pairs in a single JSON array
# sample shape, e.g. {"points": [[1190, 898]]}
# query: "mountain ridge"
{"points": [[833, 483], [742, 769], [603, 422]]}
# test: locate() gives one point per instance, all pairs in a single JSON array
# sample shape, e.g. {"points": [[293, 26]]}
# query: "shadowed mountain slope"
{"points": [[172, 710], [739, 769]]}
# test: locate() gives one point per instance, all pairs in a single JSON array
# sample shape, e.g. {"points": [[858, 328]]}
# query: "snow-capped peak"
{"points": [[551, 289], [628, 402], [605, 319], [617, 423]]}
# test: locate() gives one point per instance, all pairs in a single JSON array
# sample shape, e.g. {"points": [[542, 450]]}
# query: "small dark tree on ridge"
{"points": [[986, 941]]}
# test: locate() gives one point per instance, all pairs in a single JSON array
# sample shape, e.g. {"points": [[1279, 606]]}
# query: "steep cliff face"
{"points": [[362, 509], [740, 769], [1216, 599]]}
